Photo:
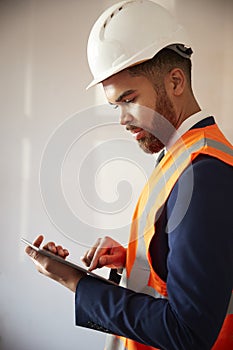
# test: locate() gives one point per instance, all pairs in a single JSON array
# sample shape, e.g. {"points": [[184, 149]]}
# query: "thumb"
{"points": [[108, 260], [30, 251]]}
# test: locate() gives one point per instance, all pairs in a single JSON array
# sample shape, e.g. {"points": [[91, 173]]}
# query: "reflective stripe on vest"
{"points": [[139, 273], [114, 343], [225, 338]]}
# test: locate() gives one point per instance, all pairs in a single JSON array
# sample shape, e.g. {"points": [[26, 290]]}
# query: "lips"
{"points": [[138, 133], [135, 130]]}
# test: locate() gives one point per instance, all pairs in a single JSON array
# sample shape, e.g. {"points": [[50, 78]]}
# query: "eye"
{"points": [[115, 106], [129, 100]]}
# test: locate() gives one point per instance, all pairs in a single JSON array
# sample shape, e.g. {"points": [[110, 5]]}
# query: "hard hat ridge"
{"points": [[181, 49]]}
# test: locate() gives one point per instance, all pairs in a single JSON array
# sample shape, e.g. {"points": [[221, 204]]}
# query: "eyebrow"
{"points": [[124, 94]]}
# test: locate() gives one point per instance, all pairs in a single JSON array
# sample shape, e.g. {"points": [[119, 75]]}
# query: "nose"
{"points": [[125, 118]]}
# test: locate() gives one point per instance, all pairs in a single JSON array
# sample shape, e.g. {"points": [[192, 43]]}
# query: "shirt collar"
{"points": [[185, 126]]}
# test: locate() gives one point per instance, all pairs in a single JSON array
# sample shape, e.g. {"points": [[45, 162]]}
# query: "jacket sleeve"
{"points": [[200, 271]]}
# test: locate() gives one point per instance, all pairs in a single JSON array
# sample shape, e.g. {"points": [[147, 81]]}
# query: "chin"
{"points": [[151, 146]]}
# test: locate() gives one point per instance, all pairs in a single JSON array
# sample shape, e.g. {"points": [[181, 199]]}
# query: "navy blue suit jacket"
{"points": [[195, 259]]}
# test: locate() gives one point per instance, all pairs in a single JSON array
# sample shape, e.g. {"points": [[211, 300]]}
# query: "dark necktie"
{"points": [[160, 157]]}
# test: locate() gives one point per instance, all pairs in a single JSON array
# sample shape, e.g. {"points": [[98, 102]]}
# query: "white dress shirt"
{"points": [[185, 126]]}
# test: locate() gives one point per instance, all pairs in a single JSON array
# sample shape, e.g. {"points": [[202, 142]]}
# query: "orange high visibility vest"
{"points": [[139, 274]]}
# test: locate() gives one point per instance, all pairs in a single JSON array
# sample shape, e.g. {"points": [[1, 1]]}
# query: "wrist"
{"points": [[72, 281]]}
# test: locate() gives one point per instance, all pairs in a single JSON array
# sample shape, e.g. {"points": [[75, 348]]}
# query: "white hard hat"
{"points": [[131, 32]]}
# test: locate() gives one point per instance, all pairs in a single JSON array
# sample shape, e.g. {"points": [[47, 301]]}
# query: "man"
{"points": [[179, 261]]}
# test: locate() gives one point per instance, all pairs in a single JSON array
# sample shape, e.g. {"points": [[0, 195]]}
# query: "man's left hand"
{"points": [[66, 275]]}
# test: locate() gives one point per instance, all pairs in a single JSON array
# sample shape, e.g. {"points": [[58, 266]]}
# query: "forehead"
{"points": [[122, 83]]}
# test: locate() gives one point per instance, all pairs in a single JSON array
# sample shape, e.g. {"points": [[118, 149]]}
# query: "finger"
{"points": [[111, 261], [85, 260], [92, 251], [56, 249], [115, 258], [88, 256], [66, 253], [62, 252], [98, 253], [37, 243], [51, 247]]}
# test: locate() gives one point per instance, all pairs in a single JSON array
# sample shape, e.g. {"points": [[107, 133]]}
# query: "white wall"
{"points": [[44, 73]]}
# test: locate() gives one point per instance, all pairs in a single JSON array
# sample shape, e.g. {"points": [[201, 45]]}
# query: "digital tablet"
{"points": [[65, 262]]}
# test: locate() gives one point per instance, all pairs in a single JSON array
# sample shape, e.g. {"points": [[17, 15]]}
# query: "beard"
{"points": [[151, 143]]}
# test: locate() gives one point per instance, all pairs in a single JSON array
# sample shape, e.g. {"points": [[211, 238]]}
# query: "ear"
{"points": [[176, 81]]}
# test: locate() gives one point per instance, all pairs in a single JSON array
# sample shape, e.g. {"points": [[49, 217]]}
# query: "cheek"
{"points": [[146, 118], [164, 104], [141, 114]]}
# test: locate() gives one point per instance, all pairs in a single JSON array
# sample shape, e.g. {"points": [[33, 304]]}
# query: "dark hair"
{"points": [[162, 63]]}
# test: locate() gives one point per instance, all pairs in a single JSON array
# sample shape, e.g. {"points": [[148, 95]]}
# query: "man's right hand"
{"points": [[105, 252]]}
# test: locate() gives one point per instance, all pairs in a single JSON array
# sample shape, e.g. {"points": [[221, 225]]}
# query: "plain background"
{"points": [[43, 75]]}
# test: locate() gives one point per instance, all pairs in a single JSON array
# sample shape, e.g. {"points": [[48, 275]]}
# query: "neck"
{"points": [[188, 107]]}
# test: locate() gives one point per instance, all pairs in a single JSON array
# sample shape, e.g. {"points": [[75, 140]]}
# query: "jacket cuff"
{"points": [[86, 305]]}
